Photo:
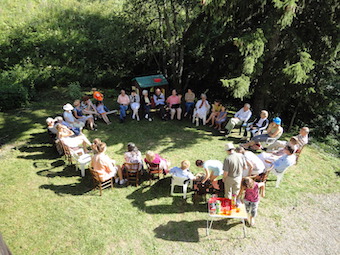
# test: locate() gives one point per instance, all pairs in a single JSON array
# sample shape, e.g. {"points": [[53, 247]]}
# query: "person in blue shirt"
{"points": [[213, 169], [287, 160], [159, 100], [183, 171]]}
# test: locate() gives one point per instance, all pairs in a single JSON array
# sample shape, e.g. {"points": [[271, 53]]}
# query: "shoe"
{"points": [[146, 116], [150, 119], [121, 182], [117, 180], [185, 114]]}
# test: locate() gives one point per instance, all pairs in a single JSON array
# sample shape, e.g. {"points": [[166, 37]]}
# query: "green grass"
{"points": [[47, 208]]}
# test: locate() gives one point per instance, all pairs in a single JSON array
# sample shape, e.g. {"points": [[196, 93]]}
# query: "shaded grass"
{"points": [[47, 208]]}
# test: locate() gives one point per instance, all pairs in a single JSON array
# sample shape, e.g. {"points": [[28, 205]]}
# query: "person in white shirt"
{"points": [[243, 115], [183, 171], [70, 119], [255, 166], [134, 104], [201, 110]]}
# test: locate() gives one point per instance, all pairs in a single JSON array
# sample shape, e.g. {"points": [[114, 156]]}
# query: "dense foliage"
{"points": [[279, 55]]}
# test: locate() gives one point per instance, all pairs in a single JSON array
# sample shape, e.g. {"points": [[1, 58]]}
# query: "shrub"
{"points": [[12, 96], [74, 90]]}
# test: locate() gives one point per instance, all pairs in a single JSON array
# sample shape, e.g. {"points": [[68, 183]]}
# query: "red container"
{"points": [[225, 203]]}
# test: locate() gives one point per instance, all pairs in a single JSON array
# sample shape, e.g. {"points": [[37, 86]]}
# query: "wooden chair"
{"points": [[132, 173], [154, 171], [98, 184]]}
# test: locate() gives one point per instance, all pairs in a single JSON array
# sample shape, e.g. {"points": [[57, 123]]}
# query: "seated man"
{"points": [[258, 126], [302, 139], [213, 169], [201, 110], [254, 166], [274, 130], [184, 171], [279, 164], [123, 101], [243, 115], [159, 100]]}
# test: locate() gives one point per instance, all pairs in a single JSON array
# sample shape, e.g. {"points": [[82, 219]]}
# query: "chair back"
{"points": [[179, 181], [153, 168], [132, 167], [94, 174]]}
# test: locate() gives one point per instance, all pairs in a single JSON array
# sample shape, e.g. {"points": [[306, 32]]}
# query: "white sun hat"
{"points": [[229, 146], [68, 107]]}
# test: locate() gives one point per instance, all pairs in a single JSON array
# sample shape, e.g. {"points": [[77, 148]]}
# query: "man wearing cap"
{"points": [[233, 167], [243, 115], [69, 118], [97, 95]]}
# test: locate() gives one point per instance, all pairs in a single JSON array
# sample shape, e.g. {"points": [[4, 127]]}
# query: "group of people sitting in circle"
{"points": [[239, 169]]}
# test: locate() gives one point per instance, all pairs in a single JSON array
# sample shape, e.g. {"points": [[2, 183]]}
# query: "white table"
{"points": [[242, 215]]}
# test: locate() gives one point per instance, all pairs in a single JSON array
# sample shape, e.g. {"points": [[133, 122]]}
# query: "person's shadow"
{"points": [[161, 189]]}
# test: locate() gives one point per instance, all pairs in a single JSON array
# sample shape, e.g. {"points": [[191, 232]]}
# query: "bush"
{"points": [[12, 96], [74, 90]]}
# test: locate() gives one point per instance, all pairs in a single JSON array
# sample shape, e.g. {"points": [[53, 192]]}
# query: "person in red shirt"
{"points": [[97, 95]]}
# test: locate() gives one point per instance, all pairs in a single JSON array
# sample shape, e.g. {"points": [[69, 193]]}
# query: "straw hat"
{"points": [[68, 107], [229, 146]]}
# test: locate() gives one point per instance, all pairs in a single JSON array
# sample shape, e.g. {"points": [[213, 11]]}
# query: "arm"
{"points": [[240, 193], [207, 175], [251, 167], [76, 114], [238, 114]]}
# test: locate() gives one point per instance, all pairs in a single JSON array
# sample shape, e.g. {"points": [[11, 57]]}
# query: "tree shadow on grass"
{"points": [[159, 190], [74, 189], [187, 231]]}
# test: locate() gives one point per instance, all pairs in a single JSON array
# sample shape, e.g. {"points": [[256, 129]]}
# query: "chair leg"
{"points": [[172, 189], [278, 180], [100, 189], [185, 189], [82, 169]]}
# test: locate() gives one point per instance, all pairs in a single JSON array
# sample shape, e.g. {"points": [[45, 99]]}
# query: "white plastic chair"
{"points": [[180, 181], [81, 159], [279, 176]]}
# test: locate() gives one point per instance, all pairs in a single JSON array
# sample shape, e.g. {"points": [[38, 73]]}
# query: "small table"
{"points": [[242, 214]]}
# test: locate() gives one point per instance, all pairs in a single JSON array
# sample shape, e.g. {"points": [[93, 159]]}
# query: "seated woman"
{"points": [[183, 171], [257, 126], [220, 118], [216, 108], [189, 98], [213, 169], [87, 106], [68, 137], [153, 158], [147, 104], [78, 114], [134, 104], [100, 108], [174, 102], [104, 165], [274, 130], [201, 110], [69, 118], [133, 155]]}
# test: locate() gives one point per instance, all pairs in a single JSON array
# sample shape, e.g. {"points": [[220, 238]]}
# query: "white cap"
{"points": [[68, 107], [58, 118], [229, 146], [49, 120]]}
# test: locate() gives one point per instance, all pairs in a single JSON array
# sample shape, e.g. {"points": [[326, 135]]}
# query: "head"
{"points": [[199, 163], [158, 92], [185, 164], [203, 96], [133, 92], [132, 147], [60, 127], [100, 147], [94, 89], [99, 103], [293, 141], [264, 114], [58, 119], [240, 150], [95, 144], [122, 92], [289, 150], [174, 92], [230, 148], [223, 108], [277, 121], [145, 92], [246, 107], [304, 131], [85, 98], [189, 90], [217, 102], [76, 103], [248, 183], [150, 156]]}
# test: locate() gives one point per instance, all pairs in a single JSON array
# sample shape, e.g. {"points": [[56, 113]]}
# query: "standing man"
{"points": [[233, 168], [243, 115], [123, 101], [159, 100]]}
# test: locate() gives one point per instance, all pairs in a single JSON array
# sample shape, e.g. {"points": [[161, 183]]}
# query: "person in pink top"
{"points": [[104, 165], [153, 158], [251, 197], [174, 102], [123, 101]]}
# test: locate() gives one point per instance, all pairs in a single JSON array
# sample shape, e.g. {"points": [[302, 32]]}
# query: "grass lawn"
{"points": [[47, 208]]}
